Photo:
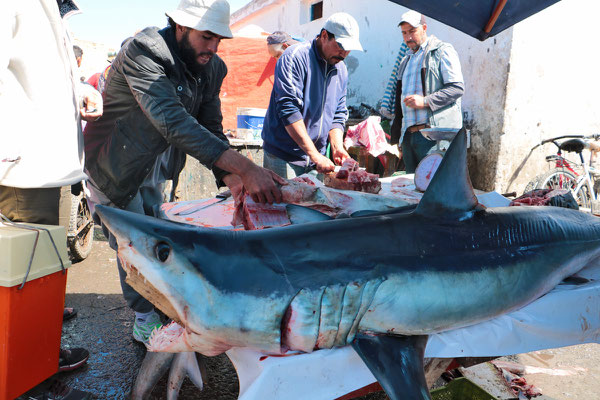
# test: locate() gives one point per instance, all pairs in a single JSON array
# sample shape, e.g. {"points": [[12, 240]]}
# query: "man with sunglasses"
{"points": [[308, 102]]}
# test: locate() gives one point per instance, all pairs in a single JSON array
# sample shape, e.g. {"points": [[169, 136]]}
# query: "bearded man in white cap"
{"points": [[162, 94], [308, 102], [430, 85]]}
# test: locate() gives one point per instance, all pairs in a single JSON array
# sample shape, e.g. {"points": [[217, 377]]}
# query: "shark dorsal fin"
{"points": [[450, 189]]}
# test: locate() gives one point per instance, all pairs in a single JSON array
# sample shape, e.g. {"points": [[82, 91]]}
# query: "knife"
{"points": [[221, 196]]}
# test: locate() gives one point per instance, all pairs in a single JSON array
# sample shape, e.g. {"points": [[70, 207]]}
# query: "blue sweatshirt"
{"points": [[305, 88]]}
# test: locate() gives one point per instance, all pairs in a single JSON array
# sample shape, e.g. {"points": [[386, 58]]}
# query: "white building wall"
{"points": [[553, 87], [529, 82]]}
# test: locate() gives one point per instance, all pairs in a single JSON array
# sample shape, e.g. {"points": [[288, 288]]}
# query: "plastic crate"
{"points": [[461, 389], [28, 354]]}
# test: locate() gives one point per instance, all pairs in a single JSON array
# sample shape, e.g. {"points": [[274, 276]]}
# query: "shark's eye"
{"points": [[162, 250]]}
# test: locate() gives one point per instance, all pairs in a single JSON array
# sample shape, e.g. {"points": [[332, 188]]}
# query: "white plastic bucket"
{"points": [[250, 122]]}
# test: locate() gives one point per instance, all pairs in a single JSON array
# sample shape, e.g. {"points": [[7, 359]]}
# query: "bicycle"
{"points": [[564, 175]]}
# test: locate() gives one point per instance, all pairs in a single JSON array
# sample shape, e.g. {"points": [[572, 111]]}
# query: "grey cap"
{"points": [[278, 37], [412, 18], [345, 29]]}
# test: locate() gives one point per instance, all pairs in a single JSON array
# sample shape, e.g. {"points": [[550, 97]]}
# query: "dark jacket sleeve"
{"points": [[446, 95], [157, 96], [288, 87]]}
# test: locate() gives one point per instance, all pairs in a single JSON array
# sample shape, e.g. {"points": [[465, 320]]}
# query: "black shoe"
{"points": [[70, 359], [68, 313], [60, 391]]}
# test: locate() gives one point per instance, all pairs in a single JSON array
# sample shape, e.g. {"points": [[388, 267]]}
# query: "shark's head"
{"points": [[156, 255]]}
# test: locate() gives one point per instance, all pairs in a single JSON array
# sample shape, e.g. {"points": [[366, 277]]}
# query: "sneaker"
{"points": [[70, 359], [60, 391], [143, 329]]}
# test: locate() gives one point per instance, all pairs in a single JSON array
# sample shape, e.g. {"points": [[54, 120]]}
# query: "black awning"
{"points": [[477, 18]]}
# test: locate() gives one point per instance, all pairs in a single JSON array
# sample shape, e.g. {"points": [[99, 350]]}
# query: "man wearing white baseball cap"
{"points": [[429, 87], [162, 95], [308, 102]]}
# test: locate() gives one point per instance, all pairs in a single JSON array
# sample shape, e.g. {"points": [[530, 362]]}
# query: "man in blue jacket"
{"points": [[308, 101]]}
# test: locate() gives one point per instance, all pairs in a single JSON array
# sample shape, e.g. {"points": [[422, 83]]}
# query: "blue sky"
{"points": [[111, 21]]}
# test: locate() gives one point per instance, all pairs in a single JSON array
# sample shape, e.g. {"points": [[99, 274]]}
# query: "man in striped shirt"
{"points": [[429, 89]]}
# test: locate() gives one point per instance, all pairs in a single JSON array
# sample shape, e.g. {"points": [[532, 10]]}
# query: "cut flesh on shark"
{"points": [[447, 264]]}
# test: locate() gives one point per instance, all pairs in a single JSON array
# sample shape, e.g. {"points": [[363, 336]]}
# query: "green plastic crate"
{"points": [[461, 389]]}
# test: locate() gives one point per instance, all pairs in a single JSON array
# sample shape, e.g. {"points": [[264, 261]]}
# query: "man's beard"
{"points": [[189, 56]]}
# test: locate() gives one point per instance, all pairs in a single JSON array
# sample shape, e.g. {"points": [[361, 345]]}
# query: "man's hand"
{"points": [[322, 163], [262, 184], [339, 155], [92, 104], [415, 101], [235, 184]]}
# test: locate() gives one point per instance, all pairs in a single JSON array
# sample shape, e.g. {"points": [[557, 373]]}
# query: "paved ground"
{"points": [[104, 323]]}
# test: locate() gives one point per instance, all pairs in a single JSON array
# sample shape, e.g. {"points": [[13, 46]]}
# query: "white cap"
{"points": [[413, 18], [203, 15], [345, 30]]}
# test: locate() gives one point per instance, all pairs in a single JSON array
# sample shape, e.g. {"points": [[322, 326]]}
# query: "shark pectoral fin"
{"points": [[300, 214], [397, 364], [450, 189], [184, 364], [154, 366]]}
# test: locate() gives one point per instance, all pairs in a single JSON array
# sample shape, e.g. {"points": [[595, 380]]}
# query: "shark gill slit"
{"points": [[326, 317]]}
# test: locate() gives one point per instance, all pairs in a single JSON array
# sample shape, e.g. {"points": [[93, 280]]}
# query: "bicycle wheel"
{"points": [[557, 178], [584, 198], [81, 228]]}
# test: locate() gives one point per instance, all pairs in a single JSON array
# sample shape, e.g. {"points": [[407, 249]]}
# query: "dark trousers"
{"points": [[414, 148], [147, 200], [36, 206]]}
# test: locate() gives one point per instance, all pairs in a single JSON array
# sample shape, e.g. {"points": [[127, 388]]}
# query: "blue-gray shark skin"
{"points": [[448, 264]]}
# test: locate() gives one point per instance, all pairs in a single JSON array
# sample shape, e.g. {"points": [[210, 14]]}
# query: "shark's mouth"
{"points": [[167, 338], [141, 285]]}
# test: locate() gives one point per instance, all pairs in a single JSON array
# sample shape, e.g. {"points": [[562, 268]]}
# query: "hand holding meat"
{"points": [[339, 155], [323, 164], [263, 185]]}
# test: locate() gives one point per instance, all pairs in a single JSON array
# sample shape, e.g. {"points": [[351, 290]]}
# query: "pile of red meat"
{"points": [[351, 177], [538, 197]]}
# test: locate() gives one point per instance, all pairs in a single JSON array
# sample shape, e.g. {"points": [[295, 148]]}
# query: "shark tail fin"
{"points": [[450, 189], [397, 363]]}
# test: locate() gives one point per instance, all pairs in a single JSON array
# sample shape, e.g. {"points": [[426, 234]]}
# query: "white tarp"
{"points": [[568, 315]]}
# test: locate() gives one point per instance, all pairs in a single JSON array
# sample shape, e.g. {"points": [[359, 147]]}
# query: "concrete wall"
{"points": [[552, 89]]}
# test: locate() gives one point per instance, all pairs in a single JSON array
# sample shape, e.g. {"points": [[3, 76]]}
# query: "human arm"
{"points": [[91, 99], [297, 132], [452, 89], [338, 152], [260, 183], [336, 132]]}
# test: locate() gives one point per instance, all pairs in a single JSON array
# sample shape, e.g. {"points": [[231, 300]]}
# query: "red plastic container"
{"points": [[30, 330]]}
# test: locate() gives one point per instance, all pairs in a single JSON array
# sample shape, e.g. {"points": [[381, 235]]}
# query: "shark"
{"points": [[380, 282]]}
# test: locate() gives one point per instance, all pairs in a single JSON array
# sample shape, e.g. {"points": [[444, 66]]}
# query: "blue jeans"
{"points": [[416, 147], [283, 168]]}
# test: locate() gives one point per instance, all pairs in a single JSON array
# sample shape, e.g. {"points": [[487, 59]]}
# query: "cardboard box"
{"points": [[31, 317]]}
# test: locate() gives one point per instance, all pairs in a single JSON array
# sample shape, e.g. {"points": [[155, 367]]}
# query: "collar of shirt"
{"points": [[421, 47]]}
